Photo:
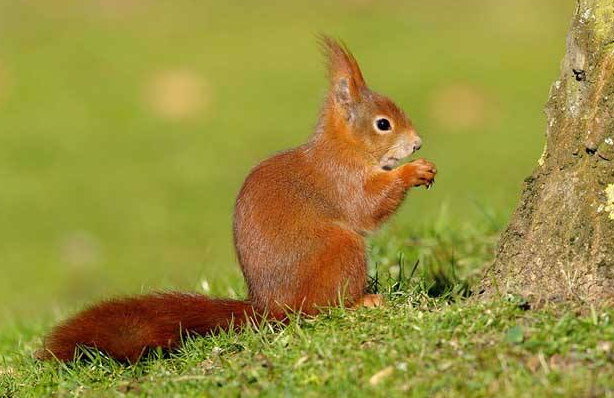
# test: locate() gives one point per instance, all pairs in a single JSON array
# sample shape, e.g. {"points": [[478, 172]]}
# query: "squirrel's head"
{"points": [[364, 119]]}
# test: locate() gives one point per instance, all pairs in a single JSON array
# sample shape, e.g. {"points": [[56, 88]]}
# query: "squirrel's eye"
{"points": [[383, 124]]}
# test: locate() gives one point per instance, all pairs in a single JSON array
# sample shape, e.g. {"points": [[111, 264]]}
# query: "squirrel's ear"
{"points": [[346, 81]]}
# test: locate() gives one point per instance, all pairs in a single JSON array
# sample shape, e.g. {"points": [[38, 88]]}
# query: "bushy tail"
{"points": [[126, 328]]}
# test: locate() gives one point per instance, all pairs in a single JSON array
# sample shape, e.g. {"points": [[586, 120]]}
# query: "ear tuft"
{"points": [[343, 70], [340, 60]]}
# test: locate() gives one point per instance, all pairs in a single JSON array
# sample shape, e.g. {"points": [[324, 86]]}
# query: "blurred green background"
{"points": [[128, 126]]}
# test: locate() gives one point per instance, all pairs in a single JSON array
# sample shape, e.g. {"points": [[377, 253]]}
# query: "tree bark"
{"points": [[559, 244]]}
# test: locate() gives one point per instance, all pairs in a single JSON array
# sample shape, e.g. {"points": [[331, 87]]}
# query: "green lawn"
{"points": [[427, 342], [127, 127], [417, 347]]}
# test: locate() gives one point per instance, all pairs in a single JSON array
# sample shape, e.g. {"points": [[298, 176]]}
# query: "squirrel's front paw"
{"points": [[419, 172]]}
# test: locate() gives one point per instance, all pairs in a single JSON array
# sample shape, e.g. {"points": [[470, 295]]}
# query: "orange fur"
{"points": [[299, 226]]}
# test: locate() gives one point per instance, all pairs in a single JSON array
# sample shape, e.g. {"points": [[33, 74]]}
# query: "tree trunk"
{"points": [[559, 244]]}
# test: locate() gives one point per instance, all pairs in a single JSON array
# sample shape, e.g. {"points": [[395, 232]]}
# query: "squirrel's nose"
{"points": [[417, 143]]}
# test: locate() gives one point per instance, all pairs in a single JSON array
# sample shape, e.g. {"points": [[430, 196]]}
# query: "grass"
{"points": [[429, 341], [416, 347]]}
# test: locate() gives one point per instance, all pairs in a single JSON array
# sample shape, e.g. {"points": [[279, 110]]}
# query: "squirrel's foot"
{"points": [[370, 301]]}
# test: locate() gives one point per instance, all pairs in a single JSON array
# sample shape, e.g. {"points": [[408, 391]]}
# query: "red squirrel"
{"points": [[299, 225]]}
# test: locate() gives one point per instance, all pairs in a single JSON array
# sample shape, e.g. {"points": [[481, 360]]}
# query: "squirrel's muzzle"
{"points": [[417, 143]]}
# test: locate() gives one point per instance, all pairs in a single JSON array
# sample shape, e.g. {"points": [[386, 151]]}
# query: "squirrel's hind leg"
{"points": [[370, 301], [335, 274]]}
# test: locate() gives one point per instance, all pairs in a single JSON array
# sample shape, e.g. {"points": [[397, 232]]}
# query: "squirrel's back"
{"points": [[283, 207]]}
